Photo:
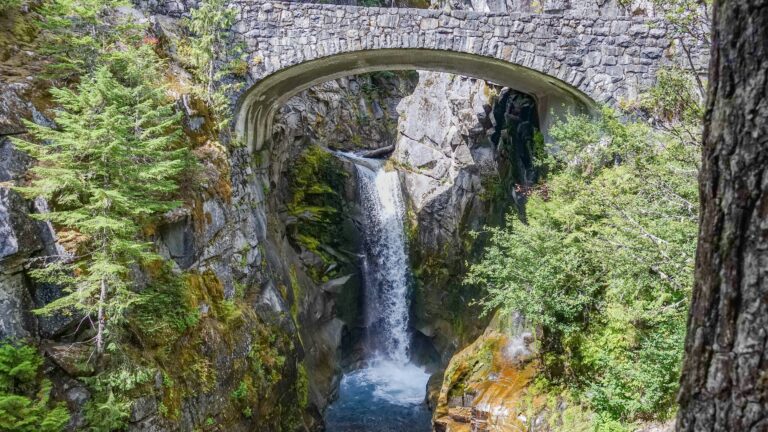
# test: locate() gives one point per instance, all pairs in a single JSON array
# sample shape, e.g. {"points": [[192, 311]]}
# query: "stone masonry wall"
{"points": [[607, 58]]}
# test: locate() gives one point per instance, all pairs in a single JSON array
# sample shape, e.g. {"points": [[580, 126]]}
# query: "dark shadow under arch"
{"points": [[257, 107]]}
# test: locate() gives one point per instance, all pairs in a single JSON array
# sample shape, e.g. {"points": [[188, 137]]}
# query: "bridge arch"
{"points": [[572, 60], [258, 105]]}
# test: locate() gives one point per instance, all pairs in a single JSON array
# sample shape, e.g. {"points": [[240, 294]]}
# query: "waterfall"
{"points": [[388, 392], [386, 261]]}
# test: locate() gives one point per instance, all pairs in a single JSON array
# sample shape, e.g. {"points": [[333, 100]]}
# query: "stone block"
{"points": [[428, 24]]}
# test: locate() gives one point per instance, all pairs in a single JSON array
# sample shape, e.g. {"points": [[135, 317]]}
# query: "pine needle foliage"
{"points": [[108, 169], [25, 404], [77, 34], [209, 23]]}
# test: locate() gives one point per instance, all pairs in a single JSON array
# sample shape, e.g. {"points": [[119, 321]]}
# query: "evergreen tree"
{"points": [[77, 34], [108, 169], [209, 23], [209, 26]]}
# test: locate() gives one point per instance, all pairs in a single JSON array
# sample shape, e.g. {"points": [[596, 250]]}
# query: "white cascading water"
{"points": [[389, 388], [386, 262]]}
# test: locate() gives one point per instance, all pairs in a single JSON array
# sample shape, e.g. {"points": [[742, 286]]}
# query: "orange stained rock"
{"points": [[497, 404]]}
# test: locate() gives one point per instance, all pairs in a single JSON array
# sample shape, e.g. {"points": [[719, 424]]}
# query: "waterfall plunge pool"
{"points": [[384, 397]]}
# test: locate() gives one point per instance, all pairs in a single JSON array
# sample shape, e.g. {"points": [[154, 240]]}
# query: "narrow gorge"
{"points": [[411, 209]]}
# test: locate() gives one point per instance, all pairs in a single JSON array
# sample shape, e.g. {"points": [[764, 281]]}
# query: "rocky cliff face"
{"points": [[446, 156], [234, 234]]}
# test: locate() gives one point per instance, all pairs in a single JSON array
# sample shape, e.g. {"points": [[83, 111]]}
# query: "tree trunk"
{"points": [[101, 318], [724, 386]]}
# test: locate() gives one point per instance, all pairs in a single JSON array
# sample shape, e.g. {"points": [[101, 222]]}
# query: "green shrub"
{"points": [[605, 265], [107, 415], [241, 392], [25, 404]]}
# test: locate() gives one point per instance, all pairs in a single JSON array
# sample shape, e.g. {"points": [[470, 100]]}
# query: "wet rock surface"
{"points": [[484, 384]]}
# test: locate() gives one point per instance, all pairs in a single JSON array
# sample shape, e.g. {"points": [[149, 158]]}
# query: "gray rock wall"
{"points": [[444, 154], [21, 236]]}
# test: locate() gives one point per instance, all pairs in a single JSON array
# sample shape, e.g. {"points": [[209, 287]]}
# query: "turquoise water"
{"points": [[387, 397]]}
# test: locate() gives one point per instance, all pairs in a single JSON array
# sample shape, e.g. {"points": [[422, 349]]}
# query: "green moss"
{"points": [[315, 201], [166, 309], [295, 293], [265, 358], [238, 67], [302, 387], [8, 5], [240, 290]]}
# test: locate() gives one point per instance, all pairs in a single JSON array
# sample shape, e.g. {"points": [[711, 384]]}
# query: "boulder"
{"points": [[75, 359], [336, 286]]}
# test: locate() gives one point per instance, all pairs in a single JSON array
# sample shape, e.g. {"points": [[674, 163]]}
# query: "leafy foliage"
{"points": [[106, 415], [674, 106], [605, 264], [241, 391], [110, 168], [690, 22], [25, 404], [265, 359]]}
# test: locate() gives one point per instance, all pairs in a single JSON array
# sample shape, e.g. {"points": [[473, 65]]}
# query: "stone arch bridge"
{"points": [[570, 60]]}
